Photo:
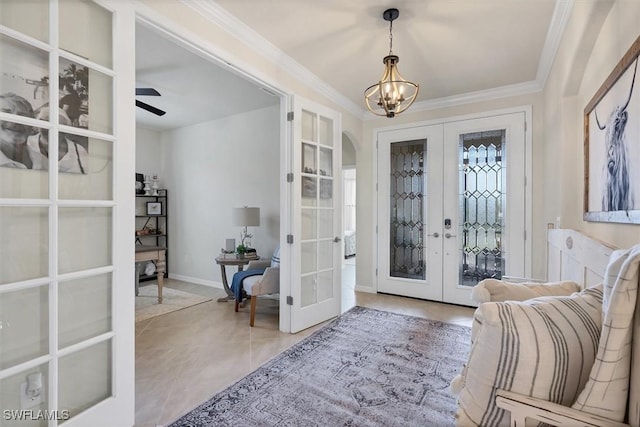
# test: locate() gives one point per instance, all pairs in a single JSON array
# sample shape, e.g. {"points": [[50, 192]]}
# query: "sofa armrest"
{"points": [[522, 407]]}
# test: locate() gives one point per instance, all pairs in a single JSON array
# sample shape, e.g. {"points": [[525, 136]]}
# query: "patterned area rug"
{"points": [[366, 368], [172, 300]]}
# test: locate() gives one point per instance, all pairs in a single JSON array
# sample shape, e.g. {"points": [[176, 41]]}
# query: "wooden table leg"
{"points": [[138, 268], [160, 265], [225, 283], [151, 253]]}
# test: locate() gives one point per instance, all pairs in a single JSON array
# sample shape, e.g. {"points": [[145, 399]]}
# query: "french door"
{"points": [[66, 214], [410, 192], [316, 246], [451, 206]]}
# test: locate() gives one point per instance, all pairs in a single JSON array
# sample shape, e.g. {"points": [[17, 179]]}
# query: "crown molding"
{"points": [[245, 34], [559, 20], [470, 98]]}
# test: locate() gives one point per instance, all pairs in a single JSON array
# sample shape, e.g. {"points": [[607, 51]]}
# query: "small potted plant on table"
{"points": [[241, 250]]}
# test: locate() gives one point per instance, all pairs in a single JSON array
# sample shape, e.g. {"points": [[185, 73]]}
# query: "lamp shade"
{"points": [[246, 217]]}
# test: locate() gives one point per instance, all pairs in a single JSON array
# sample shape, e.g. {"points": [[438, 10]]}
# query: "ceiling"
{"points": [[457, 51], [193, 89]]}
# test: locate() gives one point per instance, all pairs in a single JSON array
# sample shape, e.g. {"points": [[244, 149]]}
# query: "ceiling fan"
{"points": [[148, 91]]}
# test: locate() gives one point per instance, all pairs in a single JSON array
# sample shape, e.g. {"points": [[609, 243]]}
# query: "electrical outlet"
{"points": [[32, 391]]}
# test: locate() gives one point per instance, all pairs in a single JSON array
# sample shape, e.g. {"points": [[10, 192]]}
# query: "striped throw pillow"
{"points": [[543, 347], [607, 391], [275, 258]]}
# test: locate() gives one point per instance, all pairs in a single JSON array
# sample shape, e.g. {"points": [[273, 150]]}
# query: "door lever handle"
{"points": [[336, 239], [436, 235], [449, 235]]}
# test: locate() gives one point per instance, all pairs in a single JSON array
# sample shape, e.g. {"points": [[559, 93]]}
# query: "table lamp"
{"points": [[246, 217]]}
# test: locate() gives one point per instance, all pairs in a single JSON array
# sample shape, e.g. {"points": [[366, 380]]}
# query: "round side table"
{"points": [[223, 263]]}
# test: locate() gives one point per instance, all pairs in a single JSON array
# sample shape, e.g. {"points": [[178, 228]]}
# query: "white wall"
{"points": [[598, 35], [208, 169], [348, 152], [149, 150]]}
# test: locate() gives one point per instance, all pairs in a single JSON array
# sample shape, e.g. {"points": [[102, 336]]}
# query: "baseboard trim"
{"points": [[366, 289], [196, 280]]}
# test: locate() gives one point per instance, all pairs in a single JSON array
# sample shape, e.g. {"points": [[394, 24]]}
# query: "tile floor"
{"points": [[185, 357]]}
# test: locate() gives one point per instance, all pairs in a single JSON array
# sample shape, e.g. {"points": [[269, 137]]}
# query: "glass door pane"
{"points": [[24, 243], [95, 23], [27, 17], [24, 326], [78, 322], [482, 199], [407, 200], [85, 236], [94, 366], [9, 387]]}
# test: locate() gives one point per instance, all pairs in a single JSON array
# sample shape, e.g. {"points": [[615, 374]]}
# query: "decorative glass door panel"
{"points": [[407, 209], [482, 199], [316, 274]]}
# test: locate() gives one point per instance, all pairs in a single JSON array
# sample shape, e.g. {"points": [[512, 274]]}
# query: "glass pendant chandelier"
{"points": [[392, 94]]}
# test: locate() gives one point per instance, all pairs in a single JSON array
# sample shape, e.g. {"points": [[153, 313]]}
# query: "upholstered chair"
{"points": [[267, 283]]}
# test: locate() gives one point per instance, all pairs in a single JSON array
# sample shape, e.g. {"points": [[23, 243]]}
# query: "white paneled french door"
{"points": [[66, 213], [451, 206], [317, 215]]}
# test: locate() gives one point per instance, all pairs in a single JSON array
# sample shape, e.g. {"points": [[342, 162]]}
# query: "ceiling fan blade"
{"points": [[147, 91], [150, 108]]}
